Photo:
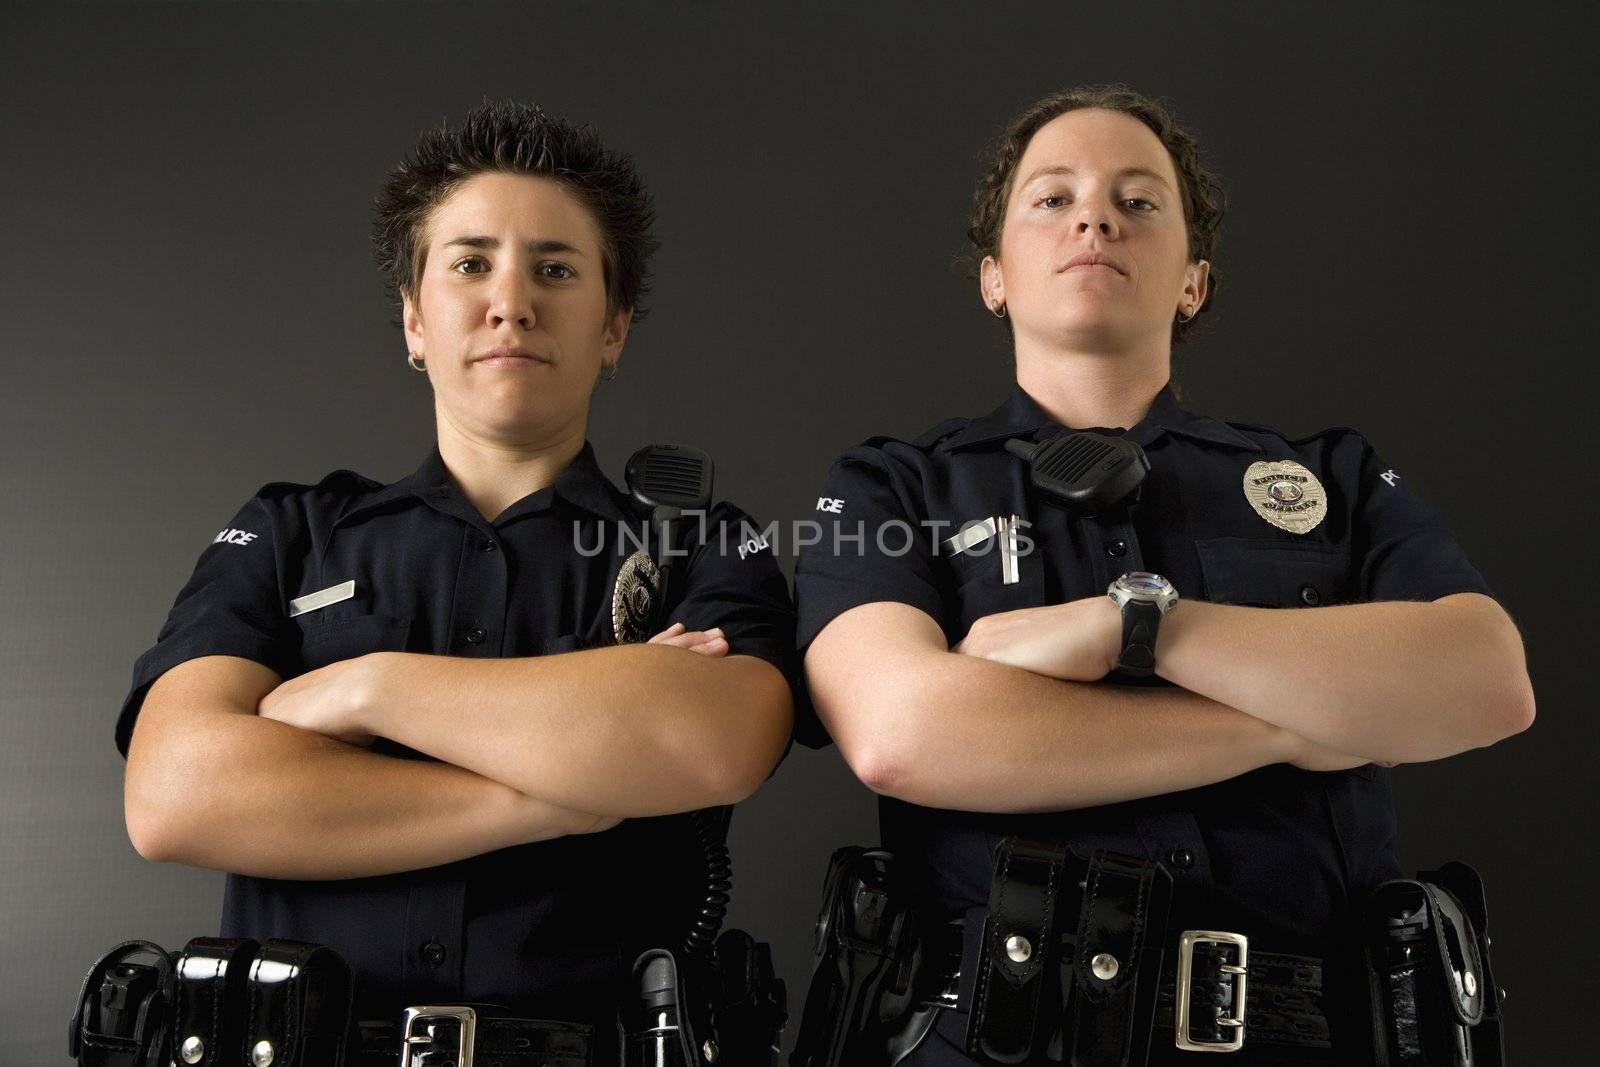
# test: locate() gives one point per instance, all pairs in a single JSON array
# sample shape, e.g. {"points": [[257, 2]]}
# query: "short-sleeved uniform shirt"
{"points": [[549, 928], [1280, 854]]}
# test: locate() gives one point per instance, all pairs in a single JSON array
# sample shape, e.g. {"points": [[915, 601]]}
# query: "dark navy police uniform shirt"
{"points": [[548, 928], [1279, 854]]}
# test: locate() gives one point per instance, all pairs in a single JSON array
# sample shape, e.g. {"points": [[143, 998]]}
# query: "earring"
{"points": [[612, 367], [417, 362], [998, 309]]}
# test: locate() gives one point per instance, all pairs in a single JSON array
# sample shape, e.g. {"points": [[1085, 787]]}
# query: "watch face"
{"points": [[1144, 582]]}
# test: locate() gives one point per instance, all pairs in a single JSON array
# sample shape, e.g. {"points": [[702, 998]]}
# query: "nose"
{"points": [[1095, 215], [511, 300]]}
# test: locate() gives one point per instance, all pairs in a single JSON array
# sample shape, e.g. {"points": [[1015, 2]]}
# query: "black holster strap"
{"points": [[1123, 918], [300, 1001], [1007, 1025], [209, 1005]]}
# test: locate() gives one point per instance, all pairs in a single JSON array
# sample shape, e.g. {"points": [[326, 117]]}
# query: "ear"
{"points": [[412, 323], [616, 332], [990, 282], [1196, 279]]}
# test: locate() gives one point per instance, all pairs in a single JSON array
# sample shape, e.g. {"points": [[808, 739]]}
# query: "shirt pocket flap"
{"points": [[1275, 574]]}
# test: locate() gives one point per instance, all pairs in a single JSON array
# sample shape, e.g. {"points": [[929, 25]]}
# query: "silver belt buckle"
{"points": [[1240, 971], [466, 1031]]}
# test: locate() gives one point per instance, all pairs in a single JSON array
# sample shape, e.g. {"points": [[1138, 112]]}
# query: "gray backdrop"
{"points": [[191, 311]]}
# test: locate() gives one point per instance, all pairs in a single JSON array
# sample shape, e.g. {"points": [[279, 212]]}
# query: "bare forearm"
{"points": [[624, 731], [258, 797], [973, 735], [1394, 681]]}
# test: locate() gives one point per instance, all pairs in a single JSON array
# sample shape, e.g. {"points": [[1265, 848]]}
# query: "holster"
{"points": [[123, 1014], [867, 953], [1071, 957], [1433, 990], [754, 1007]]}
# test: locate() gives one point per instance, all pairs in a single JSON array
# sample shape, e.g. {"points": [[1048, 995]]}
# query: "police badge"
{"points": [[634, 599], [1286, 494]]}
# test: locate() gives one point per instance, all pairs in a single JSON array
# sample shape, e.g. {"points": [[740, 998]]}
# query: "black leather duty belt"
{"points": [[436, 1035], [1278, 998]]}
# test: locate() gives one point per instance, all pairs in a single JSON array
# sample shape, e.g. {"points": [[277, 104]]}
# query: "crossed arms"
{"points": [[231, 768], [1013, 719]]}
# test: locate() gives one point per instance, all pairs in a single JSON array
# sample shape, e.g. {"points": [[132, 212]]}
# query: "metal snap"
{"points": [[1105, 966], [1018, 948]]}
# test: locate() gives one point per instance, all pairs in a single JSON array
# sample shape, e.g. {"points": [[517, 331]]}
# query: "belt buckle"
{"points": [[1240, 971], [466, 1031]]}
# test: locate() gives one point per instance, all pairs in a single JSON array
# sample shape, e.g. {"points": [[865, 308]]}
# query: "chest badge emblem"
{"points": [[1286, 494], [634, 599]]}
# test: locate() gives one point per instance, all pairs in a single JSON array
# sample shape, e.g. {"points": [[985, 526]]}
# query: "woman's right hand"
{"points": [[1310, 756], [705, 642], [539, 820]]}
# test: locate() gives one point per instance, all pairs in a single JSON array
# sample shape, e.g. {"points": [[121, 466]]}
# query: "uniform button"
{"points": [[1309, 596], [476, 635], [490, 546], [1181, 858], [433, 952], [1116, 549]]}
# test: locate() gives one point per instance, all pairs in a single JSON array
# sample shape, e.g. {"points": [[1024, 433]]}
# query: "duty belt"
{"points": [[433, 1035]]}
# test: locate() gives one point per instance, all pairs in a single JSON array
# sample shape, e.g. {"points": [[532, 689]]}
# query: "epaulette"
{"points": [[341, 479], [947, 428]]}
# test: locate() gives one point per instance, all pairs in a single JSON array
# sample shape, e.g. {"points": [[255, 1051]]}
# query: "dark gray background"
{"points": [[191, 311]]}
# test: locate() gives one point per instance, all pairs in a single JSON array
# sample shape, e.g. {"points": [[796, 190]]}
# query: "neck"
{"points": [[494, 474], [1083, 388]]}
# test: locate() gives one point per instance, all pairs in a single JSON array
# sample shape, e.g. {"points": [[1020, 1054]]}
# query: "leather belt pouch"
{"points": [[1437, 1001], [298, 1006], [209, 1006], [1071, 957], [123, 1011]]}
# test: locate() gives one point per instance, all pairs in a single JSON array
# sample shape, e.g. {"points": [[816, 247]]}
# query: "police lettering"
{"points": [[831, 505], [233, 537]]}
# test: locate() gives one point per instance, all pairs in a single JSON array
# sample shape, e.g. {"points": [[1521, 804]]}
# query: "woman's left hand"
{"points": [[328, 700]]}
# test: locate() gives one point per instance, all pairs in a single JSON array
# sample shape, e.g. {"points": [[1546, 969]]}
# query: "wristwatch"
{"points": [[1143, 598]]}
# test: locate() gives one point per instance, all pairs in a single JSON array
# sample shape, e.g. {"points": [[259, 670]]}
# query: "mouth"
{"points": [[510, 356], [1090, 261]]}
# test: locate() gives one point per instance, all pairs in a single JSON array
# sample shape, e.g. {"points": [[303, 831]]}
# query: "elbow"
{"points": [[745, 758], [146, 832], [1516, 711]]}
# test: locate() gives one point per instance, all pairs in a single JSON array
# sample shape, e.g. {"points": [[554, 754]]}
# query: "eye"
{"points": [[556, 271], [469, 260], [1051, 200], [1136, 200]]}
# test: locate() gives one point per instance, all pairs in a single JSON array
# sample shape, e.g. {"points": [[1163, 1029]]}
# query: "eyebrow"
{"points": [[1125, 172], [537, 245]]}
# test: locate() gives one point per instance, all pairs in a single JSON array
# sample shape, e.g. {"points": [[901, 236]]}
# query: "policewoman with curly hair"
{"points": [[1129, 679], [418, 722]]}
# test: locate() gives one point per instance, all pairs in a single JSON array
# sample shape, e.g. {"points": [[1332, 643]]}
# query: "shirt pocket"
{"points": [[978, 588], [331, 640], [1275, 574]]}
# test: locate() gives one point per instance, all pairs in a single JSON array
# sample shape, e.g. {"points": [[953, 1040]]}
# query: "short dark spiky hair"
{"points": [[502, 136], [1204, 202]]}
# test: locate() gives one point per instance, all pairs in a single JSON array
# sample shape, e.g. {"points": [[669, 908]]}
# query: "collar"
{"points": [[1021, 416], [581, 483]]}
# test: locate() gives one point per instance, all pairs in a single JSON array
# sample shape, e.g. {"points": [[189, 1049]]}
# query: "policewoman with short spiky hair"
{"points": [[1130, 694], [443, 726]]}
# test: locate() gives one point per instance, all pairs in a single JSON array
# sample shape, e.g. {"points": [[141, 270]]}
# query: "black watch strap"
{"points": [[1140, 620]]}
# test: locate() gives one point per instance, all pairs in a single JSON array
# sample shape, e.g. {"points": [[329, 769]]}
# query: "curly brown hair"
{"points": [[519, 139], [1204, 201]]}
